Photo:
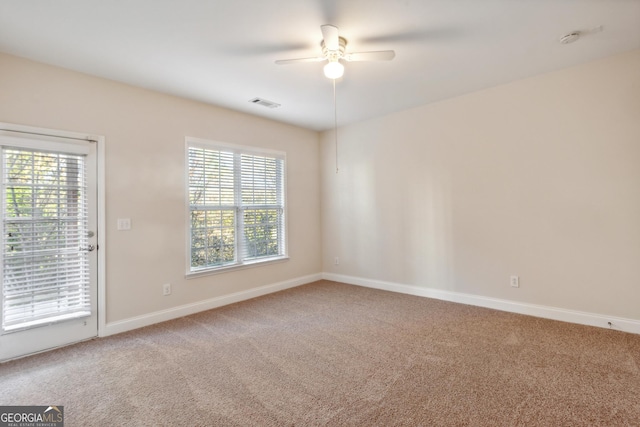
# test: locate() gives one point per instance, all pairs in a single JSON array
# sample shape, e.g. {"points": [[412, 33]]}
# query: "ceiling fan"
{"points": [[334, 50]]}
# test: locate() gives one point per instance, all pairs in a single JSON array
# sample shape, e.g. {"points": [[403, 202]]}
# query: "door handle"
{"points": [[89, 248]]}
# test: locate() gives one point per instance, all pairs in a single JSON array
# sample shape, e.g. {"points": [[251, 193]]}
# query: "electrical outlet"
{"points": [[166, 289], [515, 281], [337, 261]]}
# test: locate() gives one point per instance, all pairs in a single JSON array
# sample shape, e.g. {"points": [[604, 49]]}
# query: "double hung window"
{"points": [[236, 205]]}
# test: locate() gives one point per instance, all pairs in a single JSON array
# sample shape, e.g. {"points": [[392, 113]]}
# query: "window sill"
{"points": [[234, 267]]}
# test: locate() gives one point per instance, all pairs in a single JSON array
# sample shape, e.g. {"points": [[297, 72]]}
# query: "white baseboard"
{"points": [[119, 326], [554, 313], [546, 312]]}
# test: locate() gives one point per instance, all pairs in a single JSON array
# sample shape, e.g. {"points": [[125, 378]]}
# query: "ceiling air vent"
{"points": [[264, 103]]}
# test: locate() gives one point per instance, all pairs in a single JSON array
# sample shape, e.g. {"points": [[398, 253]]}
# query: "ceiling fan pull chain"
{"points": [[335, 121]]}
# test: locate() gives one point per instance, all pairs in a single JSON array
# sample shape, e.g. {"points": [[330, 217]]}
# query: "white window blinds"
{"points": [[236, 206], [45, 269], [262, 206]]}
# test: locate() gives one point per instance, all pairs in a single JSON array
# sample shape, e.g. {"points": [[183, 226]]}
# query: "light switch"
{"points": [[124, 223]]}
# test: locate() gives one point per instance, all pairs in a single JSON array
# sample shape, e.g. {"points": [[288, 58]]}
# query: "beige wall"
{"points": [[539, 178], [145, 179]]}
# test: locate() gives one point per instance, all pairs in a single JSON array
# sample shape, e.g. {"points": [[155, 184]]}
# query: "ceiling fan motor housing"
{"points": [[334, 55]]}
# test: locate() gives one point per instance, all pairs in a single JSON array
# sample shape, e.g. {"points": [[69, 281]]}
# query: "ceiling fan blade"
{"points": [[299, 60], [330, 36], [380, 55]]}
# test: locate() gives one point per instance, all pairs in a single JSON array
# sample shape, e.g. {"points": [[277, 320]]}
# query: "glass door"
{"points": [[48, 244]]}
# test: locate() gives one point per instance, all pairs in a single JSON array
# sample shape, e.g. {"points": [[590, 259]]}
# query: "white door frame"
{"points": [[9, 128]]}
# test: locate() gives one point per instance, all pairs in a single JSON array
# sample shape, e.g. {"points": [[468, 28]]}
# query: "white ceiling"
{"points": [[223, 52]]}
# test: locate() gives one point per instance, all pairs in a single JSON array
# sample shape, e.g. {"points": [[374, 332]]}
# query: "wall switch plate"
{"points": [[166, 289], [515, 281], [124, 223]]}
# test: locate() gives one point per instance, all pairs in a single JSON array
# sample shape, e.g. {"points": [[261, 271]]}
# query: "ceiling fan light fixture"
{"points": [[333, 70]]}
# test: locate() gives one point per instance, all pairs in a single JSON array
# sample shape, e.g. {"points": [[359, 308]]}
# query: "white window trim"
{"points": [[242, 149]]}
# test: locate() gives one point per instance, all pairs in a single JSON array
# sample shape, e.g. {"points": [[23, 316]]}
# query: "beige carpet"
{"points": [[330, 354]]}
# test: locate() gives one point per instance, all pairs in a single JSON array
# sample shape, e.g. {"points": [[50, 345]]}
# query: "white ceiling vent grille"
{"points": [[264, 103]]}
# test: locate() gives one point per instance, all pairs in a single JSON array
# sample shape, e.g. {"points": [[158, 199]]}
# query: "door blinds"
{"points": [[45, 265]]}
